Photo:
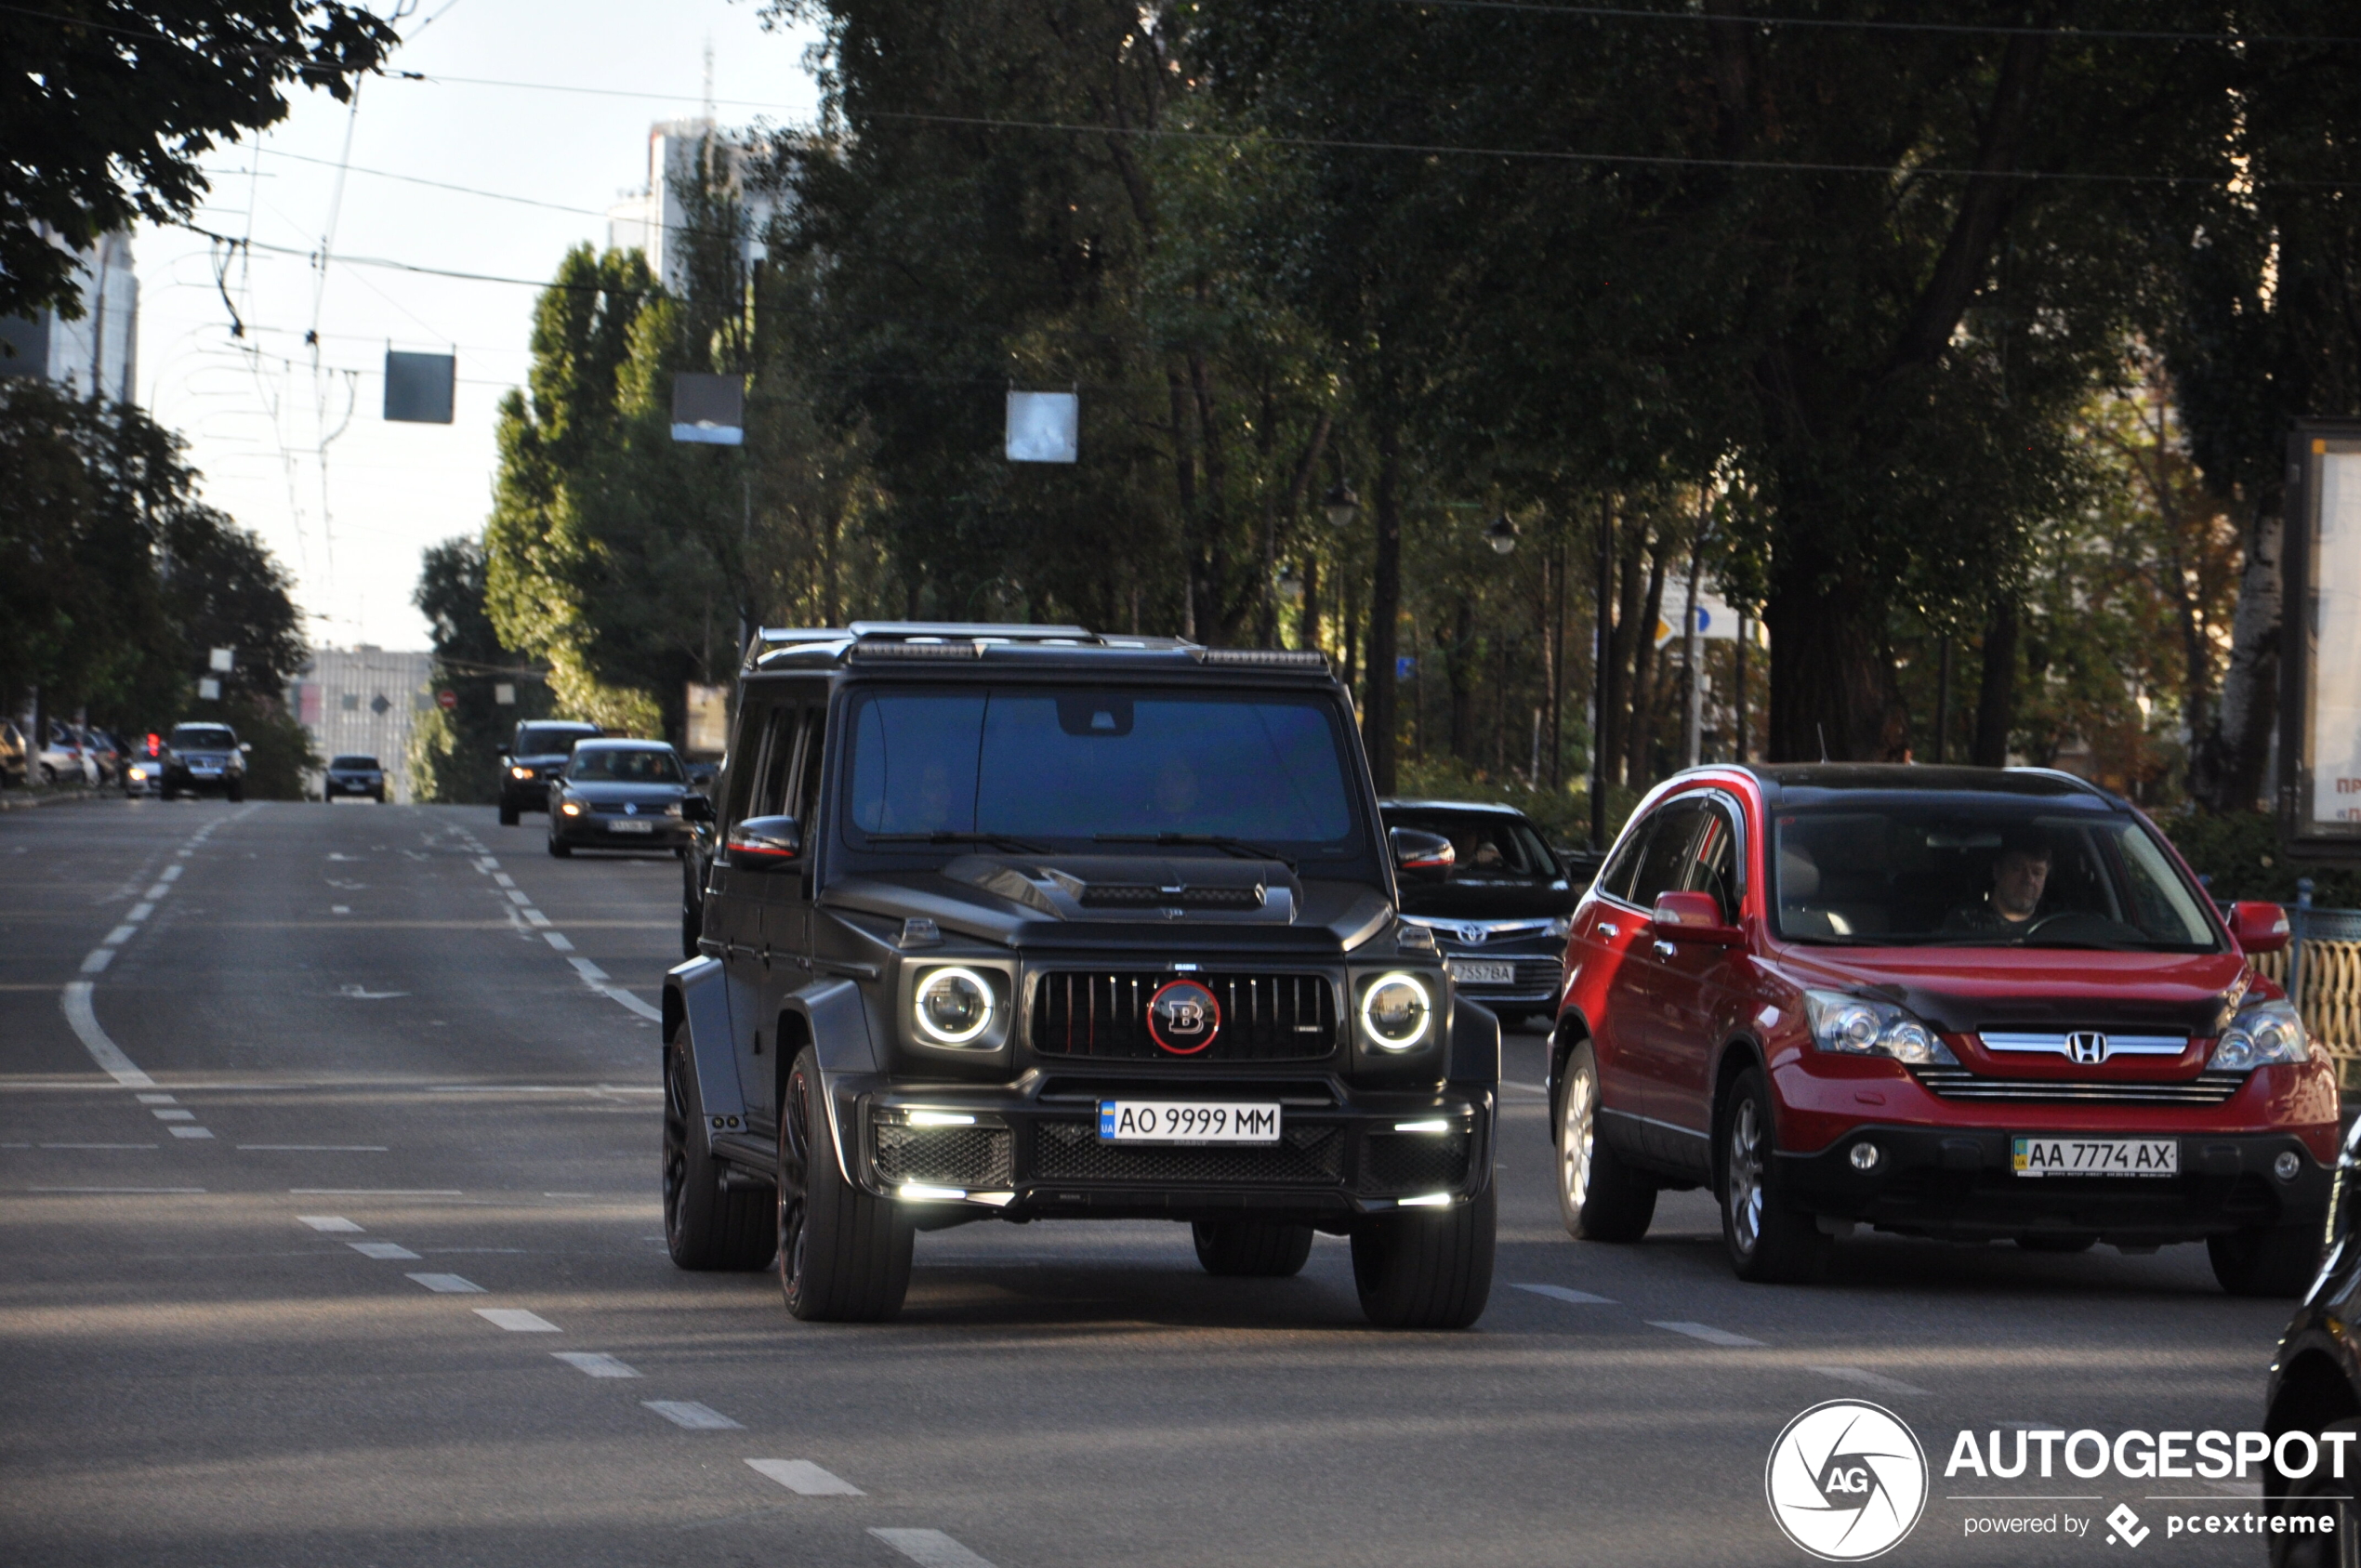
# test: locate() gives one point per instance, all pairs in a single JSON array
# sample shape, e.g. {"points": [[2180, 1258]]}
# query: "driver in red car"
{"points": [[2019, 874]]}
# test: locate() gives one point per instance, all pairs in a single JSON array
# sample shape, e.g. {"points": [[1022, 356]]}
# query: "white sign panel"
{"points": [[1715, 621], [1044, 427], [2335, 719]]}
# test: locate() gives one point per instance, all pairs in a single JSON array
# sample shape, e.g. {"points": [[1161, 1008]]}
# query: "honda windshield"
{"points": [[1103, 771], [1947, 871]]}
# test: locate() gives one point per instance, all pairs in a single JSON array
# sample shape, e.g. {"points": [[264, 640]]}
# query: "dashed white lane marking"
{"points": [[595, 1364], [588, 971], [503, 879], [319, 1148], [557, 940], [163, 1115], [449, 1284], [537, 920], [171, 873], [1868, 1379], [690, 1413], [163, 1191], [1560, 1293], [519, 896], [159, 890], [96, 960], [803, 1476], [386, 1252], [339, 909], [931, 1548], [373, 1192], [156, 1099], [192, 1132], [105, 1053], [1709, 1333], [120, 935], [139, 911], [516, 1320], [332, 1223]]}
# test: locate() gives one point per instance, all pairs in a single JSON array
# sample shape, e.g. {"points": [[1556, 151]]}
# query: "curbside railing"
{"points": [[2323, 956]]}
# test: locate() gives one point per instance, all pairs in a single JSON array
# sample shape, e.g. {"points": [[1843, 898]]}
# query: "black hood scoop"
{"points": [[1135, 888]]}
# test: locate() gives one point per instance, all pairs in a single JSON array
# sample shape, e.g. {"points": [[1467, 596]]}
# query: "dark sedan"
{"points": [[1495, 897], [354, 777], [618, 795]]}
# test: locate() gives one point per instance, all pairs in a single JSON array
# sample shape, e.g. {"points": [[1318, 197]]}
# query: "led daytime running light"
{"points": [[937, 979], [1423, 1007]]}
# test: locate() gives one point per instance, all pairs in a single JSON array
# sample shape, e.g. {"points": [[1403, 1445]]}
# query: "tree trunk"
{"points": [[1997, 700], [1308, 627], [1385, 607], [1611, 718], [2226, 764], [1462, 677], [1645, 672], [1832, 685]]}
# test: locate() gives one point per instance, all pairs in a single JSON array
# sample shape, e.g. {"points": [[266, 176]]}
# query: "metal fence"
{"points": [[2323, 956]]}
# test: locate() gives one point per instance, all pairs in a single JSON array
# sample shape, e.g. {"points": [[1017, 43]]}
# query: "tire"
{"points": [[379, 796], [1600, 1197], [1427, 1268], [1246, 1250], [560, 851], [508, 813], [1769, 1241], [2278, 1261], [707, 1226], [234, 793], [692, 909], [48, 775], [844, 1256], [2319, 1492]]}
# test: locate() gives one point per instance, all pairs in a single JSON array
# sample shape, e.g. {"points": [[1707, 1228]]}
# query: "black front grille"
{"points": [[1264, 1018], [1957, 1083], [944, 1156], [1147, 895], [1413, 1162], [1305, 1155]]}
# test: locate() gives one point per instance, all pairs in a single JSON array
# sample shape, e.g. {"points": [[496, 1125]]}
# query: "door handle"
{"points": [[1609, 929], [1664, 949]]}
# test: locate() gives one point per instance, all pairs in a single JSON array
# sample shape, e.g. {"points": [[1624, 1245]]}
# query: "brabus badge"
{"points": [[1183, 1018]]}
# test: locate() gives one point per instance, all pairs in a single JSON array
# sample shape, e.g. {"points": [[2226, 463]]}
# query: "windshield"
{"points": [[1487, 848], [1954, 873], [1076, 767], [541, 740], [204, 737], [617, 765], [354, 765]]}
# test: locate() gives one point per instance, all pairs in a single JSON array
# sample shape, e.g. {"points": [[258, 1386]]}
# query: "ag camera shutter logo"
{"points": [[1846, 1481]]}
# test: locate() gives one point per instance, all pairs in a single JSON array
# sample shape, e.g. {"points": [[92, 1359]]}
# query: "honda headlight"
{"points": [[2263, 1034], [1859, 1026], [953, 1007], [1397, 1009]]}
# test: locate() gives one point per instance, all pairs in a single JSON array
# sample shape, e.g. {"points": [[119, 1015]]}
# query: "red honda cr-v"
{"points": [[1950, 1002]]}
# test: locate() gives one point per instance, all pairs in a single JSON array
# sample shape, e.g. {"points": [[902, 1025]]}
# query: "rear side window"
{"points": [[1664, 861]]}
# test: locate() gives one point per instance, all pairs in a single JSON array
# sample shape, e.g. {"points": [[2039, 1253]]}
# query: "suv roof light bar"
{"points": [[1283, 658]]}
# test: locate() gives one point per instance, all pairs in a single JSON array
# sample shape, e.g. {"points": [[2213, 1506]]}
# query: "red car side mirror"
{"points": [[1695, 917], [2260, 927]]}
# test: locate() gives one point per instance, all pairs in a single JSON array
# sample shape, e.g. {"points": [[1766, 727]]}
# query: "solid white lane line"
{"points": [[803, 1476], [161, 1115], [449, 1284], [334, 1222], [1868, 1379], [105, 1053], [384, 1251], [167, 1190], [516, 1320], [690, 1413], [594, 1363], [100, 1146], [98, 960], [319, 1148], [931, 1548], [171, 873], [557, 940], [193, 1132], [156, 1099], [1709, 1333], [139, 911], [373, 1192], [1560, 1293]]}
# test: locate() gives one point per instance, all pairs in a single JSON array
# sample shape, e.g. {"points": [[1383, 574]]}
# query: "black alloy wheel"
{"points": [[706, 1224], [844, 1254]]}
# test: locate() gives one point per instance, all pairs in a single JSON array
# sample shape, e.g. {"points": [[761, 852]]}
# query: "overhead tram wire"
{"points": [[1863, 24]]}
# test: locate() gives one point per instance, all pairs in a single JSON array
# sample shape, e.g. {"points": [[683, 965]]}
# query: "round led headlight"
{"points": [[1397, 1010], [953, 1006]]}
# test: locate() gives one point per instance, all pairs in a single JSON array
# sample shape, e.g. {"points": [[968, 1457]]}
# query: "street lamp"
{"points": [[1502, 535], [1341, 505]]}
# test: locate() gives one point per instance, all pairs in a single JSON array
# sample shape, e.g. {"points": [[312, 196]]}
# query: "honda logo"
{"points": [[2087, 1047]]}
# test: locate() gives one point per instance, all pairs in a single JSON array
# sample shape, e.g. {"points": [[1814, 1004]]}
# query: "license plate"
{"points": [[2095, 1157], [1187, 1121], [630, 826], [1468, 973]]}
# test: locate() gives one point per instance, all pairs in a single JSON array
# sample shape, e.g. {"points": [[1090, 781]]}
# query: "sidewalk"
{"points": [[25, 799]]}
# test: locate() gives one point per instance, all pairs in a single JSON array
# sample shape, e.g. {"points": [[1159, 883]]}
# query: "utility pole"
{"points": [[1602, 625]]}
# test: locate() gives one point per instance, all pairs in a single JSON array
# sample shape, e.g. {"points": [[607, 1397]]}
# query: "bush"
{"points": [[2239, 855]]}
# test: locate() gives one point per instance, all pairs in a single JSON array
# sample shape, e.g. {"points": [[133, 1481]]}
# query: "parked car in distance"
{"points": [[143, 766], [2315, 1386], [618, 795], [1970, 1004], [16, 758], [1497, 900], [353, 775], [703, 776], [534, 757], [107, 752], [64, 760], [203, 758]]}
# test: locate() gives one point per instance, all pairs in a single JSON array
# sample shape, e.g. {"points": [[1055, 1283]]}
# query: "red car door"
{"points": [[1693, 980], [1631, 1069]]}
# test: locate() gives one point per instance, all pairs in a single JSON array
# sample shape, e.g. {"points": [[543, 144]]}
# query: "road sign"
{"points": [[446, 698]]}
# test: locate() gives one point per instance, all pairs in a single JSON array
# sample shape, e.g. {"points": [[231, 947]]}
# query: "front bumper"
{"points": [[353, 786], [1959, 1184], [1032, 1155]]}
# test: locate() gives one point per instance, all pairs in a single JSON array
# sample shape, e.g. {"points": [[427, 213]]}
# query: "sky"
{"points": [[259, 411]]}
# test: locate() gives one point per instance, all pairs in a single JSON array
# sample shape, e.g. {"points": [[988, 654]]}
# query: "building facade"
{"points": [[650, 221], [99, 354], [363, 700]]}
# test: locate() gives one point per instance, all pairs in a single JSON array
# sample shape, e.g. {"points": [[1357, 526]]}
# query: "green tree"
{"points": [[454, 752]]}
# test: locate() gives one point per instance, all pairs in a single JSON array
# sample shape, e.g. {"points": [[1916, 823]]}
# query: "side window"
{"points": [[1713, 862], [1666, 858], [1615, 878], [773, 795], [759, 729], [805, 800]]}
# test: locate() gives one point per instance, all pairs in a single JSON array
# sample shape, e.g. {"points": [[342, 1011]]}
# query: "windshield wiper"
{"points": [[999, 840], [1243, 847]]}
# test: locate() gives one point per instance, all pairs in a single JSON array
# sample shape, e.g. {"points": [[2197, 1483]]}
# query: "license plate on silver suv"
{"points": [[2095, 1156], [1187, 1121]]}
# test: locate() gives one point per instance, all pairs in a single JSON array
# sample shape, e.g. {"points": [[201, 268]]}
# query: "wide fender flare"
{"points": [[835, 1021], [703, 992], [1474, 1051]]}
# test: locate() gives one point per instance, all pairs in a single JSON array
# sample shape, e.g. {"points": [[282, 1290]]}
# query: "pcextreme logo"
{"points": [[1846, 1481]]}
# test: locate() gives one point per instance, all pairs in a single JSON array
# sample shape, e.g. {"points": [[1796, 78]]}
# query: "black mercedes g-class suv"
{"points": [[1013, 922], [536, 755]]}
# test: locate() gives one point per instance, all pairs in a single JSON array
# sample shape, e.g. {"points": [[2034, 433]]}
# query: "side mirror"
{"points": [[245, 745], [1695, 917], [1426, 857], [764, 843], [695, 808], [2260, 927]]}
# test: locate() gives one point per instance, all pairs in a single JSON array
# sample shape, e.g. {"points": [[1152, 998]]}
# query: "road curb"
{"points": [[26, 799]]}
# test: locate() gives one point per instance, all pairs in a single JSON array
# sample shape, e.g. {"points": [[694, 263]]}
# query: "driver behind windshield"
{"points": [[2020, 872]]}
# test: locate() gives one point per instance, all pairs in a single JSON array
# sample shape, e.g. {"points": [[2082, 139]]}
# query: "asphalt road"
{"points": [[329, 1235]]}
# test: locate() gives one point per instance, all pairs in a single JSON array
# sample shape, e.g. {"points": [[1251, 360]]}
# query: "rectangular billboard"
{"points": [[2320, 704]]}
